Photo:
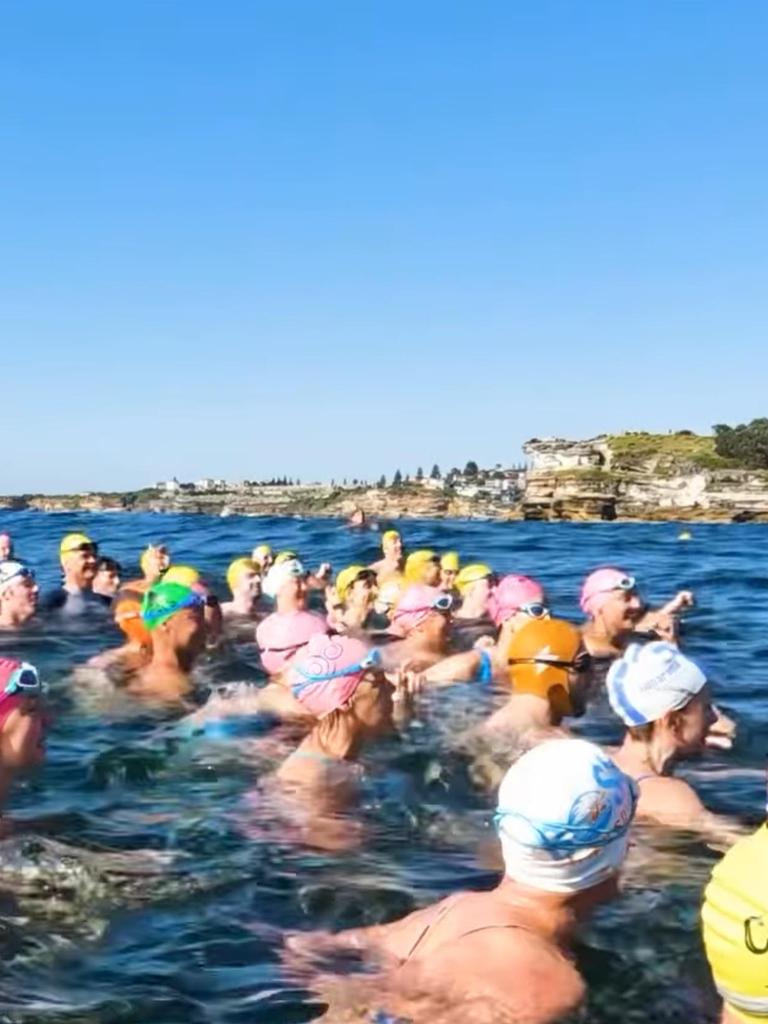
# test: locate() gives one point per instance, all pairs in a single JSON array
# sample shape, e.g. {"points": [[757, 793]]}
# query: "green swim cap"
{"points": [[163, 600]]}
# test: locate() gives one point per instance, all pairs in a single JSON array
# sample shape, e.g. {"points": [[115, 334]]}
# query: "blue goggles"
{"points": [[194, 600], [23, 680], [372, 660]]}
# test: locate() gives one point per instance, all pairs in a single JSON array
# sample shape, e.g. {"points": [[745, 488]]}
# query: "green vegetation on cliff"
{"points": [[663, 453]]}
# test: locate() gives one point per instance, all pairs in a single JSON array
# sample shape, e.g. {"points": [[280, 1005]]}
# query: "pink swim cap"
{"points": [[512, 593], [417, 602], [328, 671], [282, 634], [600, 584]]}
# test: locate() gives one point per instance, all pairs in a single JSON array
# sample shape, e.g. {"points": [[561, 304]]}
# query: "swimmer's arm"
{"points": [[457, 668], [680, 807]]}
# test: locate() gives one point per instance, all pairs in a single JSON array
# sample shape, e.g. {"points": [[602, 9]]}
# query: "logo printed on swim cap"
{"points": [[750, 924]]}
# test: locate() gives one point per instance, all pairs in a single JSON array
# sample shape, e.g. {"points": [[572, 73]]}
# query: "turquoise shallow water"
{"points": [[189, 932]]}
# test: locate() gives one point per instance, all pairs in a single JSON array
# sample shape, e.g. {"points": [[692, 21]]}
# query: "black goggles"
{"points": [[580, 664]]}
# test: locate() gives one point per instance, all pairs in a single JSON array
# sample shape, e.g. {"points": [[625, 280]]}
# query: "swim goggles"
{"points": [[580, 664], [23, 680], [372, 660], [625, 583], [443, 603], [87, 547], [163, 611], [20, 572], [534, 609]]}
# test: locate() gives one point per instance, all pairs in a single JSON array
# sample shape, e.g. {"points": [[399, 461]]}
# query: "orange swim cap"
{"points": [[127, 614], [535, 652]]}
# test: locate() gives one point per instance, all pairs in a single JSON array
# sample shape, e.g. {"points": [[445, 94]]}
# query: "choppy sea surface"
{"points": [[168, 895]]}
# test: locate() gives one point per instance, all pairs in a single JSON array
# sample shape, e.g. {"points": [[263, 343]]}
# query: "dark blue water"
{"points": [[171, 907]]}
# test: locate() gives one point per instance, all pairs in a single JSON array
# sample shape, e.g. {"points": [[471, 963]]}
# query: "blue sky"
{"points": [[338, 238]]}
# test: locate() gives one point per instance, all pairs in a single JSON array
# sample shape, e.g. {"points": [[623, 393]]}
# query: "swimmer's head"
{"points": [[609, 596], [356, 584], [449, 568], [183, 574], [262, 556], [107, 579], [422, 566], [243, 577], [286, 556], [392, 545], [281, 635], [389, 593], [475, 579], [155, 559], [175, 613], [426, 610], [546, 659], [286, 581], [78, 559], [563, 819], [19, 593], [126, 610], [659, 693], [735, 927], [6, 547], [22, 720], [342, 674], [517, 598]]}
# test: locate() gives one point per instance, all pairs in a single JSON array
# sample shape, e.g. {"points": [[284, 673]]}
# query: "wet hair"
{"points": [[641, 732], [106, 564]]}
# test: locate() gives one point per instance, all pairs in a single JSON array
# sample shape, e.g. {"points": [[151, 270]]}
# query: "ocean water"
{"points": [[167, 898]]}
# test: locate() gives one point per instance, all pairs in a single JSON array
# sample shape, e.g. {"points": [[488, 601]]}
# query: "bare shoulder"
{"points": [[669, 799]]}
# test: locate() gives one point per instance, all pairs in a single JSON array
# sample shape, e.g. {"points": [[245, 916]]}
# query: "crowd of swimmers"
{"points": [[347, 659]]}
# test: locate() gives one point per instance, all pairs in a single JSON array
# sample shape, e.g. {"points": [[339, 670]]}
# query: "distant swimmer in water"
{"points": [[616, 612], [75, 596], [263, 558], [420, 630], [563, 818], [357, 520], [19, 595], [174, 617], [6, 547], [350, 602], [106, 582], [391, 562], [513, 602], [549, 673], [664, 700], [22, 725], [340, 682], [449, 569], [244, 582], [735, 929]]}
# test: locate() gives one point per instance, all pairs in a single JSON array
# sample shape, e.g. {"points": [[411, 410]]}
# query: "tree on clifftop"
{"points": [[397, 479], [747, 443], [435, 474], [471, 469]]}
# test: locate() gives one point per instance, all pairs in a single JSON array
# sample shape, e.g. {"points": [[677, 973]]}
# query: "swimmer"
{"points": [[610, 600], [357, 520], [187, 576], [286, 584], [513, 602], [449, 568], [244, 582], [6, 547], [421, 628], [174, 617], [563, 818], [263, 558], [22, 723], [106, 582], [664, 700], [391, 564], [19, 595], [135, 653], [735, 928], [350, 602], [78, 554], [422, 567]]}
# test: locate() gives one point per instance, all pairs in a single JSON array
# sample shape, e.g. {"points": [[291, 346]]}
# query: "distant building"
{"points": [[169, 486]]}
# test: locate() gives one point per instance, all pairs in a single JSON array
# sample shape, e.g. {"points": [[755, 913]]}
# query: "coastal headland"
{"points": [[632, 476]]}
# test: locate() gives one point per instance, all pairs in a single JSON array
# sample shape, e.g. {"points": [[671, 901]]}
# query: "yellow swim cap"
{"points": [[285, 556], [450, 561], [351, 575], [75, 542], [144, 560], [471, 574], [236, 570], [389, 535], [415, 563], [183, 574], [735, 926]]}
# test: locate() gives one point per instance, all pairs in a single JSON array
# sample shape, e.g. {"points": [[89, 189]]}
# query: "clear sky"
{"points": [[328, 238]]}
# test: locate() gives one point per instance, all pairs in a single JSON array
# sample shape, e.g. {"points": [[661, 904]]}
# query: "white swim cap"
{"points": [[280, 574], [563, 816], [650, 680]]}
